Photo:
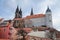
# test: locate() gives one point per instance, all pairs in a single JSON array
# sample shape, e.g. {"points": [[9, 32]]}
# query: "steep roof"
{"points": [[35, 16], [48, 10]]}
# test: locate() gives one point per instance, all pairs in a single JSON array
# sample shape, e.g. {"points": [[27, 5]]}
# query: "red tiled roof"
{"points": [[32, 16], [35, 16], [18, 19]]}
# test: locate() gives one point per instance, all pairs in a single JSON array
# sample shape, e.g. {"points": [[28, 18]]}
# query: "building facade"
{"points": [[34, 20], [5, 30]]}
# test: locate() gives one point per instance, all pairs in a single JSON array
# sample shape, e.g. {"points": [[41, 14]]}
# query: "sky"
{"points": [[8, 7]]}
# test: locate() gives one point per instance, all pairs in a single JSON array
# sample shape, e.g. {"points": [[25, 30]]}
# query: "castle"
{"points": [[33, 27], [33, 20]]}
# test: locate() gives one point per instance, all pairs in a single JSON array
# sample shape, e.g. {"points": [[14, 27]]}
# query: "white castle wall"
{"points": [[38, 21], [49, 19], [35, 22]]}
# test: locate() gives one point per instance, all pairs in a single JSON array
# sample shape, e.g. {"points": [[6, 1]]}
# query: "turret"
{"points": [[48, 18], [48, 10]]}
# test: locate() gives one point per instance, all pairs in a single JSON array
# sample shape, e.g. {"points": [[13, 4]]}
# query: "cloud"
{"points": [[56, 19], [46, 3], [11, 3], [49, 2]]}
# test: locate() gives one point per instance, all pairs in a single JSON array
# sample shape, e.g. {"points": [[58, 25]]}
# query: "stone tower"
{"points": [[18, 21], [18, 14], [48, 18]]}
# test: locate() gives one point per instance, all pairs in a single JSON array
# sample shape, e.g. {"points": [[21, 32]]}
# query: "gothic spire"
{"points": [[20, 12], [48, 10], [17, 12], [17, 9], [31, 11]]}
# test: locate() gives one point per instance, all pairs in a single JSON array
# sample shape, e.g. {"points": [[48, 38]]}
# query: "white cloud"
{"points": [[11, 3], [56, 18], [49, 2], [43, 5]]}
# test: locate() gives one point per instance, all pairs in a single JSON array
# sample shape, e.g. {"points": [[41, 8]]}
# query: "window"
{"points": [[43, 25], [49, 20]]}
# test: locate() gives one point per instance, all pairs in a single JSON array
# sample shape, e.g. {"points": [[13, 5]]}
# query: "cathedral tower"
{"points": [[31, 11], [18, 14], [18, 22], [48, 18]]}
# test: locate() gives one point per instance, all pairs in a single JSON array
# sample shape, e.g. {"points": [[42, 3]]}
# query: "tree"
{"points": [[22, 33]]}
